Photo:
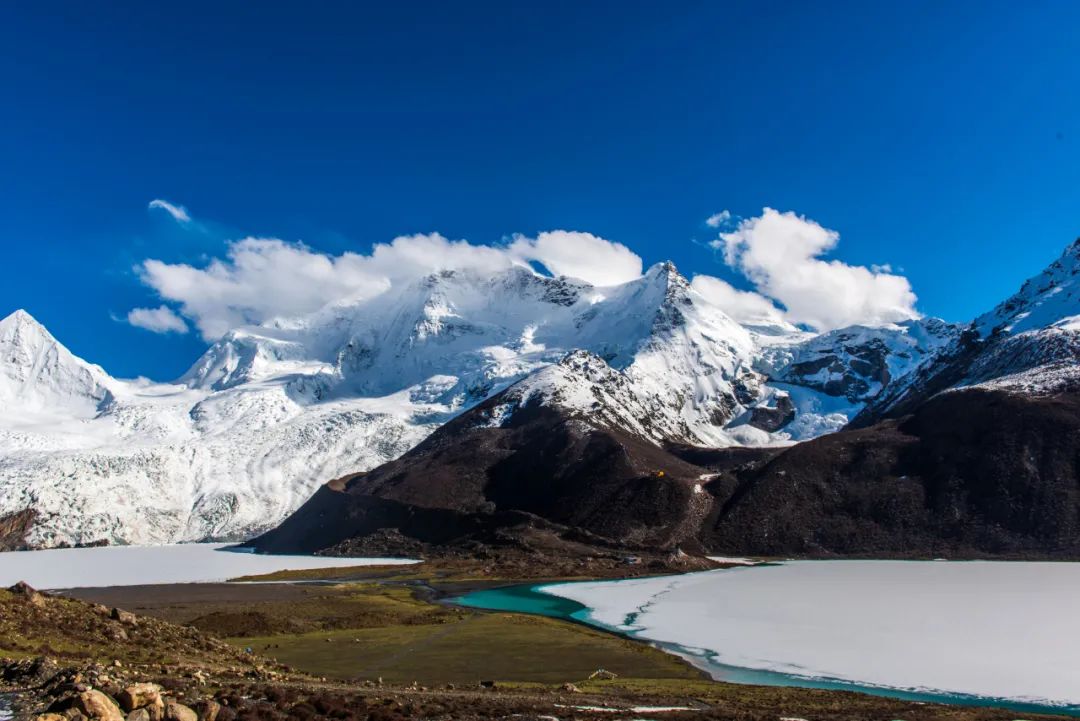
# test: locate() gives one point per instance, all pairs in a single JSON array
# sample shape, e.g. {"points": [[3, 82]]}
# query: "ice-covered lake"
{"points": [[977, 633], [982, 630], [133, 565]]}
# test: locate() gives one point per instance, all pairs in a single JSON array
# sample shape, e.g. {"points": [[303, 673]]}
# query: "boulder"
{"points": [[139, 714], [156, 710], [115, 633], [125, 617], [179, 712], [207, 709], [28, 593], [50, 717], [138, 695], [97, 705]]}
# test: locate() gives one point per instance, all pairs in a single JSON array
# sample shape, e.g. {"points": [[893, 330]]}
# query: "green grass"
{"points": [[502, 647], [344, 573]]}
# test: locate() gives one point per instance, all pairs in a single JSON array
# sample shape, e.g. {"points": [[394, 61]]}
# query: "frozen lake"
{"points": [[986, 629], [964, 632], [134, 565]]}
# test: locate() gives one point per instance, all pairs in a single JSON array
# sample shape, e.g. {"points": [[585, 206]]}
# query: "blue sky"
{"points": [[942, 139]]}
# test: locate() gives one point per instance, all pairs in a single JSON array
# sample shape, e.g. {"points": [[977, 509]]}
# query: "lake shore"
{"points": [[389, 631], [552, 601]]}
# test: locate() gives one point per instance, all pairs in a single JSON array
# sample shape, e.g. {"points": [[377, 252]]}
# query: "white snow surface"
{"points": [[135, 565], [990, 629], [269, 413]]}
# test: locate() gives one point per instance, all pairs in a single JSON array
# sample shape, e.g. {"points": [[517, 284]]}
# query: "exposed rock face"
{"points": [[14, 528], [774, 418], [858, 363]]}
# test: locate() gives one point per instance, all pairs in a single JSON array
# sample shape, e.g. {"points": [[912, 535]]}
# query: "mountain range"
{"points": [[518, 410]]}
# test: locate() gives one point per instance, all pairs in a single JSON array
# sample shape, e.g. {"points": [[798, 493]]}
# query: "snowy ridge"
{"points": [[269, 413], [858, 362], [1032, 340], [1049, 301], [39, 375]]}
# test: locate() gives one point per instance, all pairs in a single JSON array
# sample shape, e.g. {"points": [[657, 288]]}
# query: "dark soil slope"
{"points": [[970, 473], [544, 481]]}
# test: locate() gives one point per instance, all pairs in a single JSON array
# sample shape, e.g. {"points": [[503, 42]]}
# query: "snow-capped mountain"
{"points": [[40, 376], [269, 413], [1032, 340], [1029, 343]]}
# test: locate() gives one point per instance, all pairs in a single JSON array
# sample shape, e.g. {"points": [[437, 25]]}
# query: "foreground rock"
{"points": [[139, 695], [96, 705]]}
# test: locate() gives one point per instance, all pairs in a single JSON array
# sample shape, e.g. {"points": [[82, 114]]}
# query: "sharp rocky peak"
{"points": [[1048, 300], [20, 322]]}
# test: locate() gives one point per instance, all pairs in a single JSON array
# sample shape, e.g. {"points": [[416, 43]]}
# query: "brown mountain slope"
{"points": [[969, 474]]}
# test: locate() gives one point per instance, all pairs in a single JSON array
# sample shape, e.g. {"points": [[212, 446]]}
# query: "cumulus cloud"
{"points": [[717, 219], [743, 306], [178, 212], [580, 255], [780, 253], [157, 320], [260, 279]]}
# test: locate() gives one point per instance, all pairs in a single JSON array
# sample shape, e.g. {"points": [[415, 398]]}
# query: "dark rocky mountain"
{"points": [[973, 452], [971, 473], [521, 472]]}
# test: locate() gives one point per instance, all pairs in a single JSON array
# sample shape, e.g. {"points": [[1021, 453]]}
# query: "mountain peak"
{"points": [[20, 318], [664, 270], [38, 373], [1047, 300], [21, 330]]}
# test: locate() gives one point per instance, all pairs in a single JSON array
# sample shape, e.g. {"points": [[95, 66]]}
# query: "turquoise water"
{"points": [[529, 599], [524, 599]]}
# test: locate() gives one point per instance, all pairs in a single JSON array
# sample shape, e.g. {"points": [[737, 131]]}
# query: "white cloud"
{"points": [[178, 212], [412, 256], [743, 306], [259, 279], [157, 320], [717, 219], [264, 278], [580, 255], [780, 254]]}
